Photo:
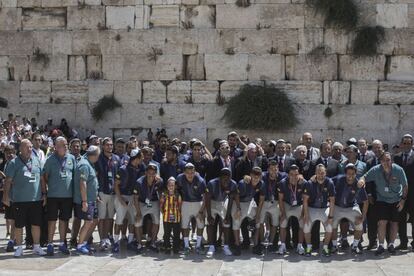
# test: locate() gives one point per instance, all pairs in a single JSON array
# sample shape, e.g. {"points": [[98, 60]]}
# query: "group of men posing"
{"points": [[244, 191]]}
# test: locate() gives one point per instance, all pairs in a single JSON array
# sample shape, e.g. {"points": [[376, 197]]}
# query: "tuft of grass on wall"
{"points": [[106, 103], [260, 107], [367, 40]]}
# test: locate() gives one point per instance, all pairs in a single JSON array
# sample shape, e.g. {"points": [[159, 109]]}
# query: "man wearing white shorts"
{"points": [[192, 188], [290, 204], [318, 205], [245, 205], [146, 201], [220, 191], [347, 199]]}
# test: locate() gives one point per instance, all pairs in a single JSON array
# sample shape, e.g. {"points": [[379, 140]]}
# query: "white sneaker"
{"points": [[227, 251], [39, 251], [18, 252], [300, 250], [194, 236], [282, 250], [211, 250]]}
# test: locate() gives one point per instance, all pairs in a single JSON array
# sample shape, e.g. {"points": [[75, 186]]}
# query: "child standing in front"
{"points": [[170, 205]]}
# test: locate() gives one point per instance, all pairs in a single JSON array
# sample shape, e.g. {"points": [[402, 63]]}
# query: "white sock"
{"points": [[116, 238], [186, 242], [36, 246], [381, 244], [130, 238], [391, 243], [335, 243], [199, 238], [226, 246], [139, 245], [61, 243], [300, 246], [283, 244], [355, 243], [325, 246], [309, 246]]}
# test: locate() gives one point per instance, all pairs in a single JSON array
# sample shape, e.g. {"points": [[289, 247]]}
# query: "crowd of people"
{"points": [[247, 193]]}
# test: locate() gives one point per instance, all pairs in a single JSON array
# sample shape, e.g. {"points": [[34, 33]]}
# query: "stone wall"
{"points": [[59, 57]]}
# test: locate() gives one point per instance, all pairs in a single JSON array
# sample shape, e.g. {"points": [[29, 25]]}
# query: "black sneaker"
{"points": [[344, 244], [380, 251], [273, 248], [153, 248], [257, 250], [245, 245], [73, 243], [391, 249], [356, 250], [402, 247], [372, 245], [236, 250], [168, 251]]}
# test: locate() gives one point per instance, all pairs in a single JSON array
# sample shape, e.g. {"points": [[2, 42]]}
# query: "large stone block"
{"points": [[194, 68], [204, 91], [98, 89], [10, 91], [4, 69], [59, 3], [179, 92], [29, 3], [77, 67], [10, 19], [266, 67], [392, 15], [8, 3], [300, 92], [226, 67], [70, 92], [336, 92], [85, 17], [229, 89], [309, 39], [35, 92], [18, 67], [165, 16], [197, 17], [154, 92], [86, 43], [16, 43], [120, 17], [142, 15], [44, 18], [364, 92], [230, 16], [401, 68], [45, 67], [397, 42], [94, 67], [393, 92], [311, 67], [338, 41], [128, 92], [361, 68]]}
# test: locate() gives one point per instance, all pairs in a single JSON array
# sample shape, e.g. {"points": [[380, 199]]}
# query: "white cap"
{"points": [[251, 146]]}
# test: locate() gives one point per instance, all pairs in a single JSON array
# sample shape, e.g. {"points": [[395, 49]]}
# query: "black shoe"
{"points": [[289, 246], [360, 246], [372, 245], [344, 244], [257, 250], [391, 249], [356, 250], [245, 245], [380, 251], [90, 240], [273, 248], [73, 243], [29, 246], [402, 247], [168, 251], [154, 248], [236, 250]]}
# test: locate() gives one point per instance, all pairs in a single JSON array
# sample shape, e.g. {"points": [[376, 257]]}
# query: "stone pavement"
{"points": [[151, 263]]}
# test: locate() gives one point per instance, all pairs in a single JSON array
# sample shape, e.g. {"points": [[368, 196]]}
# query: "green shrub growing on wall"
{"points": [[367, 40], [106, 103], [260, 107]]}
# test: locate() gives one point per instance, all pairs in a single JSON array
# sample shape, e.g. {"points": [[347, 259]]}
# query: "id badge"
{"points": [[171, 218], [32, 178], [147, 201], [110, 174], [28, 174], [294, 203], [386, 189], [272, 199], [63, 174]]}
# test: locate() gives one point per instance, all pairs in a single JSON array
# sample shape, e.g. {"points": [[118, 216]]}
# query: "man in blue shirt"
{"points": [[85, 192], [23, 178], [221, 191], [318, 205], [172, 166], [347, 199], [106, 168], [290, 204], [125, 181], [57, 180], [146, 201], [192, 188], [391, 191], [245, 206]]}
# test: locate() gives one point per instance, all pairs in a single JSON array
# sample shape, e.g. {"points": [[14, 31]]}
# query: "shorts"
{"points": [[90, 214], [316, 214], [292, 211], [9, 212], [123, 212], [153, 211], [30, 213], [387, 211], [351, 214], [190, 210], [106, 206], [248, 210], [272, 209], [219, 208], [59, 207]]}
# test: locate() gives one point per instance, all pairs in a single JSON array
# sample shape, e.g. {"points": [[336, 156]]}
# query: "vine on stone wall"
{"points": [[106, 103]]}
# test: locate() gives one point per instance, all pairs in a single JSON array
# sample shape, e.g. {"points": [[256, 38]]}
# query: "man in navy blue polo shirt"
{"points": [[221, 191], [146, 201], [125, 181], [171, 166], [318, 205], [347, 199], [192, 188], [290, 205], [106, 168]]}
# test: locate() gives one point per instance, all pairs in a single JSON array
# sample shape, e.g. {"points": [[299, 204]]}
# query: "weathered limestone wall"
{"points": [[59, 57]]}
